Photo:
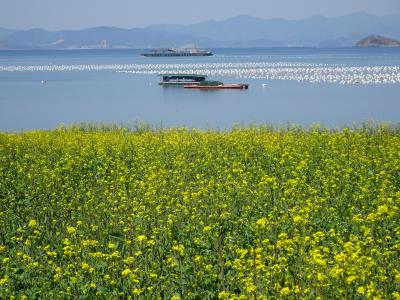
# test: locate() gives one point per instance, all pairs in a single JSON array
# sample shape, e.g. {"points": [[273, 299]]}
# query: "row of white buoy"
{"points": [[248, 70], [91, 67], [96, 67], [341, 75]]}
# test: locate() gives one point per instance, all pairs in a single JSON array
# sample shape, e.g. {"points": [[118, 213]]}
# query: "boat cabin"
{"points": [[182, 79]]}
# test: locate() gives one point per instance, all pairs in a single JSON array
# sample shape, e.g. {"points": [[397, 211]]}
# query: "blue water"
{"points": [[103, 94]]}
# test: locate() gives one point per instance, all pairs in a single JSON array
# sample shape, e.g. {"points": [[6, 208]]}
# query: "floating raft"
{"points": [[234, 86]]}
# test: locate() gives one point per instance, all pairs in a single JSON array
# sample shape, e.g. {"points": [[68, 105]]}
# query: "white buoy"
{"points": [[301, 72]]}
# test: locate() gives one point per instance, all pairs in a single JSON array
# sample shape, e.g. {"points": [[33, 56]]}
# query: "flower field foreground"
{"points": [[250, 213]]}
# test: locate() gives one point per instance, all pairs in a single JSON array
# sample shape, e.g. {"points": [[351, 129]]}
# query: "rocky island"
{"points": [[377, 41]]}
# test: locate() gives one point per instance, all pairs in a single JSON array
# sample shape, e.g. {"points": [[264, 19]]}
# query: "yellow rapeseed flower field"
{"points": [[249, 213]]}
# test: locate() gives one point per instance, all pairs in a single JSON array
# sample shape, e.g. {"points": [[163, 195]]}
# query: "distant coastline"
{"points": [[237, 32], [377, 41]]}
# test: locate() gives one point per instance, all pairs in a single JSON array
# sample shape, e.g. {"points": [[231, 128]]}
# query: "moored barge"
{"points": [[165, 52], [217, 85], [181, 79], [197, 81]]}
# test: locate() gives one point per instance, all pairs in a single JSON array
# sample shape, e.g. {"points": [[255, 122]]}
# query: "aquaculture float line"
{"points": [[302, 72]]}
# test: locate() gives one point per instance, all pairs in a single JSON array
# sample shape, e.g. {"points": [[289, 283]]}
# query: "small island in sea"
{"points": [[377, 41]]}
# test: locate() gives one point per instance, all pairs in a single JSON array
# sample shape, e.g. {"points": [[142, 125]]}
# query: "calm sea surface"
{"points": [[333, 87]]}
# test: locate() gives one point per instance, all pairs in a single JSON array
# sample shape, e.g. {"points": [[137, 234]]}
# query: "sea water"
{"points": [[333, 87]]}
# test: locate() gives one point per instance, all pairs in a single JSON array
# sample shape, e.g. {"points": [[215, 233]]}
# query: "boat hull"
{"points": [[178, 83], [238, 86]]}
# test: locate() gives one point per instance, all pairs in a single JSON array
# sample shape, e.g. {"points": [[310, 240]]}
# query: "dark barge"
{"points": [[181, 79]]}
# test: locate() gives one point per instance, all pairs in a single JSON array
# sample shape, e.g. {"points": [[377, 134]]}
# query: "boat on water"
{"points": [[181, 79], [198, 81], [162, 52], [217, 85]]}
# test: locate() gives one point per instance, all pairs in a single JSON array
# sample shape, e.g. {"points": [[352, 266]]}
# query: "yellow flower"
{"points": [[397, 276], [297, 219], [261, 223], [321, 277], [32, 223], [71, 230], [179, 248], [285, 291], [336, 272], [396, 295], [111, 245], [207, 229], [85, 266], [351, 278], [361, 290], [250, 287], [136, 291], [141, 238], [318, 258], [382, 209], [4, 280], [171, 262], [107, 277], [73, 279], [223, 295], [126, 272], [129, 260]]}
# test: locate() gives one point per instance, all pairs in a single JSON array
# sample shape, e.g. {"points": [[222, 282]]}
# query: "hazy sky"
{"points": [[74, 14]]}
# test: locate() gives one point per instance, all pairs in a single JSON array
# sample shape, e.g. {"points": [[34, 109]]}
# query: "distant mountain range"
{"points": [[4, 32], [240, 31]]}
